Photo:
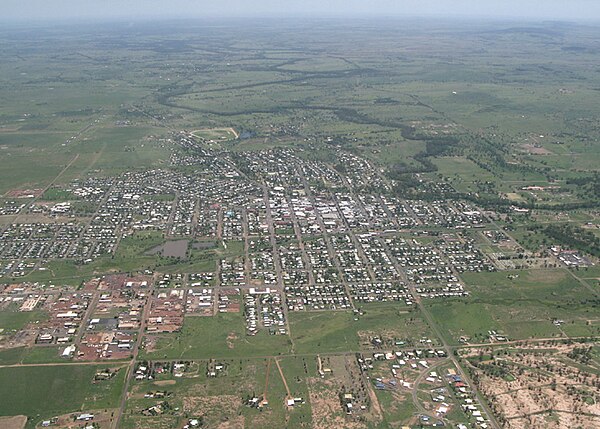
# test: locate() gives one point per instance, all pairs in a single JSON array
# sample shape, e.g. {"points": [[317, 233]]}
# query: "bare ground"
{"points": [[13, 422], [325, 406], [548, 391], [218, 411]]}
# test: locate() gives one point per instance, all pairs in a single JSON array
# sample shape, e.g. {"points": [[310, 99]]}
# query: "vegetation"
{"points": [[571, 237], [43, 392]]}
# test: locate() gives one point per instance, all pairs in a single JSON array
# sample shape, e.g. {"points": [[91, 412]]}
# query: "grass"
{"points": [[522, 307], [220, 336], [31, 355], [43, 392], [36, 355], [16, 320], [397, 409], [57, 194], [319, 332], [12, 356], [224, 335], [131, 256], [113, 93], [244, 378], [327, 331]]}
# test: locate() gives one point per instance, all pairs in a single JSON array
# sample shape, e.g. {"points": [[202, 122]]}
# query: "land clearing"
{"points": [[538, 386], [216, 134]]}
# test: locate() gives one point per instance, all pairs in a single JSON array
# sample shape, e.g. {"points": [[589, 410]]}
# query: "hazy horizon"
{"points": [[533, 10]]}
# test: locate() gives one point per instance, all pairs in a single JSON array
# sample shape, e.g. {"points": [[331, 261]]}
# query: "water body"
{"points": [[247, 135], [204, 245], [171, 249]]}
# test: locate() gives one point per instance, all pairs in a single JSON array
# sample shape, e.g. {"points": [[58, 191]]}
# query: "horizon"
{"points": [[243, 22], [64, 11]]}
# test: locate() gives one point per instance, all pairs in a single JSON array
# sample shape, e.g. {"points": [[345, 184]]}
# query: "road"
{"points": [[330, 250], [436, 330], [415, 391], [130, 369], [447, 348], [276, 261]]}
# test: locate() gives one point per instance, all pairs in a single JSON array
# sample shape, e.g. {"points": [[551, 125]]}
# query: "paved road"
{"points": [[276, 261], [327, 238], [447, 348], [130, 369], [415, 391]]}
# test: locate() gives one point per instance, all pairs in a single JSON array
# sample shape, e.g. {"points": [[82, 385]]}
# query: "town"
{"points": [[283, 234]]}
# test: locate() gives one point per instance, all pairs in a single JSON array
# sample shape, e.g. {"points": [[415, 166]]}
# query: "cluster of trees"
{"points": [[581, 354], [496, 369], [571, 236], [434, 147], [588, 186]]}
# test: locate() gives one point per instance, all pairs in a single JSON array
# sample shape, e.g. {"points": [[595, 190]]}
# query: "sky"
{"points": [[564, 10]]}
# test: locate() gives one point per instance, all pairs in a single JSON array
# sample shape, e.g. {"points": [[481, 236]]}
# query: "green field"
{"points": [[243, 378], [15, 320], [220, 336], [326, 332], [43, 392], [520, 308]]}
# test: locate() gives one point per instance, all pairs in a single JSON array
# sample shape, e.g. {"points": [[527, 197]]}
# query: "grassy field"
{"points": [[56, 109], [16, 320], [220, 336], [520, 308], [131, 256], [320, 332], [217, 399], [42, 392]]}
